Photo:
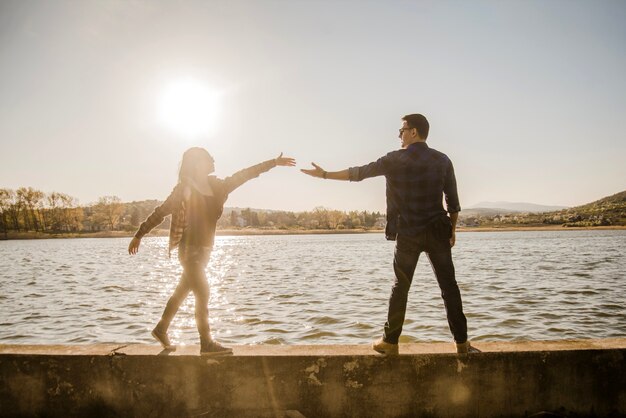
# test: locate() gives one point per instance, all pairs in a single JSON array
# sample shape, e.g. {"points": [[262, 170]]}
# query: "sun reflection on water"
{"points": [[313, 289]]}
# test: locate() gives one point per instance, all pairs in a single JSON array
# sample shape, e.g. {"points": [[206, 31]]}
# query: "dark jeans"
{"points": [[408, 250], [194, 260]]}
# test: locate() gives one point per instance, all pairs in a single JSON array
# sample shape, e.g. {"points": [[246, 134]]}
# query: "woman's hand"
{"points": [[133, 247], [285, 161]]}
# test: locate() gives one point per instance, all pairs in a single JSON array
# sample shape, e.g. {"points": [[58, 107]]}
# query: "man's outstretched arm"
{"points": [[318, 171]]}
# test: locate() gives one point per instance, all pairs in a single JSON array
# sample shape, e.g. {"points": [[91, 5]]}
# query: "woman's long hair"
{"points": [[191, 159]]}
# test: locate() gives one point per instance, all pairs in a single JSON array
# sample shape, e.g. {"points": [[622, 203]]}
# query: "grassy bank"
{"points": [[165, 233], [538, 228], [252, 231]]}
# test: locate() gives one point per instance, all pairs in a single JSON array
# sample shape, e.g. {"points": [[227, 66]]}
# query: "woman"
{"points": [[196, 203]]}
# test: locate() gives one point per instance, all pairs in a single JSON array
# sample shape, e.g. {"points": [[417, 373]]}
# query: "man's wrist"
{"points": [[325, 175]]}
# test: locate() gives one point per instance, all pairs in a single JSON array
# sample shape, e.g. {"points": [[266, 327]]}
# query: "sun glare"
{"points": [[189, 108]]}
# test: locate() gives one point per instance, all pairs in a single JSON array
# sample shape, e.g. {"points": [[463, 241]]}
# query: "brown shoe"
{"points": [[385, 348], [163, 339], [213, 348], [466, 348]]}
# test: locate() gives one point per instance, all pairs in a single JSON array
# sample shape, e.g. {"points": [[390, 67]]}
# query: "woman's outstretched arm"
{"points": [[240, 177]]}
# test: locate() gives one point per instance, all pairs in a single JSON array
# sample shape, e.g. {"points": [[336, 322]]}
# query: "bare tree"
{"points": [[20, 197], [5, 203], [54, 208], [30, 199], [72, 213], [14, 209], [108, 211]]}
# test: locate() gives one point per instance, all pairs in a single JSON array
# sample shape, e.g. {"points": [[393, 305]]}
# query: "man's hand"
{"points": [[133, 247], [454, 217], [285, 161], [315, 172]]}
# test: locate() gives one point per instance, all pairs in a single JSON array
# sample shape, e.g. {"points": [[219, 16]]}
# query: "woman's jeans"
{"points": [[194, 261], [408, 250]]}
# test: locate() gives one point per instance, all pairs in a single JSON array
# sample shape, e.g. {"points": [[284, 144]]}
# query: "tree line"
{"points": [[318, 218], [27, 209]]}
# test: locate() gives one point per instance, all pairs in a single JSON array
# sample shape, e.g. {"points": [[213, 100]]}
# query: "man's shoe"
{"points": [[213, 348], [466, 348], [385, 348], [163, 339]]}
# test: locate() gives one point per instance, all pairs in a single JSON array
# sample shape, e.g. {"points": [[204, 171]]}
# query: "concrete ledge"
{"points": [[508, 379], [314, 350]]}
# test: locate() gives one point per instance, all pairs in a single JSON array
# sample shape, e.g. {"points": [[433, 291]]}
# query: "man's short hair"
{"points": [[418, 122]]}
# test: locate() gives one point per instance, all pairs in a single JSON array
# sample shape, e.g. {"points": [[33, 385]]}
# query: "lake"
{"points": [[314, 289]]}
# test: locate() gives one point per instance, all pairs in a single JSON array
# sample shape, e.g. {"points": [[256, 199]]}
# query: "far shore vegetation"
{"points": [[29, 213]]}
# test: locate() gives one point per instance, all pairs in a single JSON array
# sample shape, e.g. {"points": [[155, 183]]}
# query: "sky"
{"points": [[527, 98]]}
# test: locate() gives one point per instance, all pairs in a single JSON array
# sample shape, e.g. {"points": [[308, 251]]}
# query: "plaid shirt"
{"points": [[176, 203], [417, 178]]}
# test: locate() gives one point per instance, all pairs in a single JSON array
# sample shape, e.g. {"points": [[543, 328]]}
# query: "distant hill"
{"points": [[229, 209], [484, 212], [504, 207], [608, 211], [618, 200]]}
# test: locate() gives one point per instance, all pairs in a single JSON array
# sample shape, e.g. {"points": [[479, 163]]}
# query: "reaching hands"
{"points": [[285, 161], [315, 172], [133, 247]]}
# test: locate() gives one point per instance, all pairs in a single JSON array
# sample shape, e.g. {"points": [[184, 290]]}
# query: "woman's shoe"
{"points": [[213, 348], [163, 339]]}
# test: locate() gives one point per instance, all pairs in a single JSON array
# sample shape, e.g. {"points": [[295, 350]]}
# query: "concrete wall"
{"points": [[584, 378]]}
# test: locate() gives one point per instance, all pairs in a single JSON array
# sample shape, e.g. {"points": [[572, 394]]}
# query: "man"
{"points": [[417, 178]]}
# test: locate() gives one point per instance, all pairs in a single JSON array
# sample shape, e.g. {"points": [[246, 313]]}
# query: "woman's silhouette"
{"points": [[196, 203]]}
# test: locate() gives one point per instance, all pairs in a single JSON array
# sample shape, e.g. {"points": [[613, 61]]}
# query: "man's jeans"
{"points": [[408, 250]]}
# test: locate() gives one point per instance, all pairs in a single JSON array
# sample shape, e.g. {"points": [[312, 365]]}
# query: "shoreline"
{"points": [[252, 231]]}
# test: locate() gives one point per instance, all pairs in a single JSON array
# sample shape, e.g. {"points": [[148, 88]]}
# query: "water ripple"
{"points": [[314, 289]]}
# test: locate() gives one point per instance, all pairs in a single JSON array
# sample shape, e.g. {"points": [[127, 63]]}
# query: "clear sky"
{"points": [[528, 98]]}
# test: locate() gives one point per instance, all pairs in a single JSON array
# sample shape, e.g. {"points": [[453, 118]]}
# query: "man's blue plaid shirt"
{"points": [[417, 179]]}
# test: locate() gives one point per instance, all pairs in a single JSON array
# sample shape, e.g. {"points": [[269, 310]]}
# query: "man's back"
{"points": [[416, 181], [417, 177]]}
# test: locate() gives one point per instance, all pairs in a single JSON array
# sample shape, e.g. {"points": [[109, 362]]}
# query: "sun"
{"points": [[189, 107]]}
